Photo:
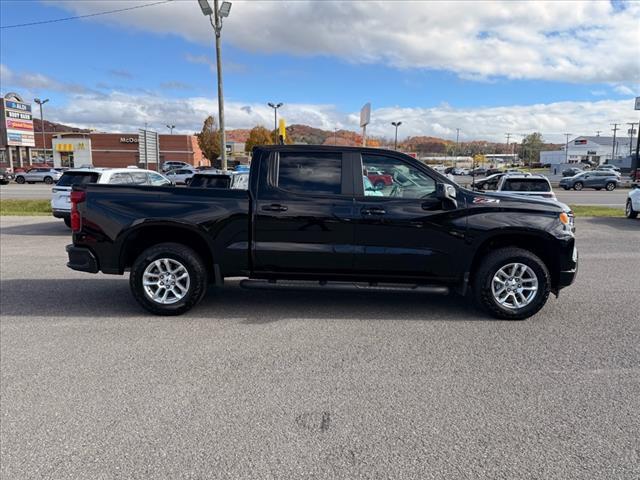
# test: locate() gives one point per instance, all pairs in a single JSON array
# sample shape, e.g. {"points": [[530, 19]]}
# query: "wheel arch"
{"points": [[144, 236], [540, 244]]}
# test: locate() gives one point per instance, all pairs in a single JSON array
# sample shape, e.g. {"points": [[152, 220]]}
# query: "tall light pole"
{"points": [[44, 145], [566, 148], [171, 127], [275, 107], [455, 160], [215, 17], [631, 132], [395, 141]]}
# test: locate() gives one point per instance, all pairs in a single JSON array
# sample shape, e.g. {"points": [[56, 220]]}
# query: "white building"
{"points": [[597, 150]]}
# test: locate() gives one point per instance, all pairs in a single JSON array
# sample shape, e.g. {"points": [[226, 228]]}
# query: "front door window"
{"points": [[390, 177]]}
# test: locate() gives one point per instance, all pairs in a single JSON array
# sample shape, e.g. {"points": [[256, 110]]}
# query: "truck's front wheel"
{"points": [[168, 279], [512, 284]]}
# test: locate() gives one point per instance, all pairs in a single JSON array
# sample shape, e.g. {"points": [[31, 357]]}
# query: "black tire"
{"points": [[610, 186], [20, 179], [629, 211], [187, 182], [48, 180], [192, 263], [67, 221], [486, 271], [578, 186]]}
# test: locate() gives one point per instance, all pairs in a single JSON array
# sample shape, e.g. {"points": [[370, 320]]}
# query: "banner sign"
{"points": [[19, 123]]}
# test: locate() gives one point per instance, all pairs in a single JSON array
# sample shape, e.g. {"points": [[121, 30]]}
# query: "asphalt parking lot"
{"points": [[275, 384], [617, 198]]}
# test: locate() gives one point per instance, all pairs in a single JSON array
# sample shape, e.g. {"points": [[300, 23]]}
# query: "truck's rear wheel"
{"points": [[168, 279], [512, 284]]}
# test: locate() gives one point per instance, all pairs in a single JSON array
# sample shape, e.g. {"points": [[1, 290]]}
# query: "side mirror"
{"points": [[447, 194]]}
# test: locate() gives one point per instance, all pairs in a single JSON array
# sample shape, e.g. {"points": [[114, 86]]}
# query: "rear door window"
{"points": [[527, 185], [139, 178], [313, 173], [69, 179], [120, 178], [157, 180], [210, 181]]}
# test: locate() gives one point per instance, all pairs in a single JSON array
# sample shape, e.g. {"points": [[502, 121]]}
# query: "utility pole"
{"points": [[457, 147], [631, 132], [215, 18], [44, 145], [613, 144], [275, 107], [508, 135], [598, 133], [566, 148], [395, 142]]}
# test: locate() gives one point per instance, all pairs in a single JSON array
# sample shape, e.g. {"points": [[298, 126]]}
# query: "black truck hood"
{"points": [[500, 200]]}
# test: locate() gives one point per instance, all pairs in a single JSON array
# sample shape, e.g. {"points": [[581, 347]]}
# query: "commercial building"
{"points": [[16, 130], [596, 150]]}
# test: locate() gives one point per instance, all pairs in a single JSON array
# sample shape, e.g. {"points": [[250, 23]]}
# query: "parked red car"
{"points": [[379, 179]]}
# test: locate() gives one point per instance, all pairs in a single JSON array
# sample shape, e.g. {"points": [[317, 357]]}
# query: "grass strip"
{"points": [[25, 207], [596, 211]]}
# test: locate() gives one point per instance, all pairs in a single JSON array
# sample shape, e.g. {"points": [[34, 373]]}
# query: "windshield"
{"points": [[77, 178]]}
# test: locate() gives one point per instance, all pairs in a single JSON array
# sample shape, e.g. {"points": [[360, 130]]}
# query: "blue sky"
{"points": [[162, 56]]}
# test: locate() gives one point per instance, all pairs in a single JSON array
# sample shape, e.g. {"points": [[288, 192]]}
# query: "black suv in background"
{"points": [[311, 215]]}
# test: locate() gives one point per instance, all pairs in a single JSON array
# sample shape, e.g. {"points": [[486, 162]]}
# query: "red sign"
{"points": [[20, 125]]}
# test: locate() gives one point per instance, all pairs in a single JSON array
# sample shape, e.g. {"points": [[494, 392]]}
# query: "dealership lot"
{"points": [[277, 384], [617, 198]]}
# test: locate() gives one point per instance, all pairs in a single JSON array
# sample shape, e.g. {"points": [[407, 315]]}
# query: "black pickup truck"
{"points": [[312, 217]]}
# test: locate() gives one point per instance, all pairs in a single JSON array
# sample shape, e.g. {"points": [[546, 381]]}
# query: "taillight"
{"points": [[76, 219]]}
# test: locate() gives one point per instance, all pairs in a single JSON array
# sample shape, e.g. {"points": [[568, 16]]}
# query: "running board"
{"points": [[341, 286]]}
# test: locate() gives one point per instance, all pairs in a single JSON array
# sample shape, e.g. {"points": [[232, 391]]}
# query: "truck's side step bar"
{"points": [[344, 286]]}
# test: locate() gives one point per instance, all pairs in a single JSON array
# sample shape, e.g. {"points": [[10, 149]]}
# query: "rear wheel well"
{"points": [[541, 247], [146, 237]]}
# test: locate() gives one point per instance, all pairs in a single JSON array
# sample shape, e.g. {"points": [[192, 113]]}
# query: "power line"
{"points": [[18, 25]]}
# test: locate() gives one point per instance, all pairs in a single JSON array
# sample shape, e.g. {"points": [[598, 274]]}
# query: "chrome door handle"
{"points": [[275, 207]]}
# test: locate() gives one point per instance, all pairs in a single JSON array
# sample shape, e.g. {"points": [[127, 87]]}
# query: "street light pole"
{"points": [[171, 127], [455, 160], [275, 107], [215, 18], [44, 145], [395, 142], [566, 148]]}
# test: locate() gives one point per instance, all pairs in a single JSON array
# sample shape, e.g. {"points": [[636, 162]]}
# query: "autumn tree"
{"points": [[531, 146], [209, 139], [257, 136]]}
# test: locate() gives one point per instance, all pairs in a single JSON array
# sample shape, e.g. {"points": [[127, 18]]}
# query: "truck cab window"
{"points": [[391, 177], [315, 173]]}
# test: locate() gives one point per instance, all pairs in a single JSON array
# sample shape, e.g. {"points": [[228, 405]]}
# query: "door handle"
{"points": [[373, 211], [275, 207]]}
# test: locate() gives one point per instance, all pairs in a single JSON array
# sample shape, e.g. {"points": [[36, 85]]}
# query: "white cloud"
{"points": [[120, 112], [37, 81], [575, 41]]}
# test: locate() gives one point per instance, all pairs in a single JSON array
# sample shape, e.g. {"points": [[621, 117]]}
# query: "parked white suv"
{"points": [[526, 184], [632, 208], [60, 202]]}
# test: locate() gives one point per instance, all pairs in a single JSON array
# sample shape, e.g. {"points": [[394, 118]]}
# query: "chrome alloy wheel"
{"points": [[166, 281], [514, 285]]}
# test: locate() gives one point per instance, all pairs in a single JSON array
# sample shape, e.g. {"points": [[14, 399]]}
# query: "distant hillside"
{"points": [[55, 127]]}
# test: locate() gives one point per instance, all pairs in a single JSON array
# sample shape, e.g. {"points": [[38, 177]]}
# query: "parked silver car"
{"points": [[181, 176], [33, 175]]}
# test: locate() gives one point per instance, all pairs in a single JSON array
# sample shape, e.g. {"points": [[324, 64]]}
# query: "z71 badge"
{"points": [[486, 200]]}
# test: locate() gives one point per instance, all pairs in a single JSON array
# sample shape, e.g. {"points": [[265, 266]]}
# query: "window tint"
{"points": [[139, 178], [392, 177], [210, 181], [157, 180], [120, 178], [311, 173], [527, 185], [77, 178]]}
